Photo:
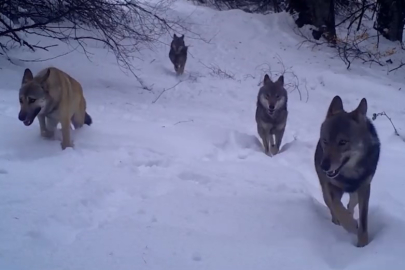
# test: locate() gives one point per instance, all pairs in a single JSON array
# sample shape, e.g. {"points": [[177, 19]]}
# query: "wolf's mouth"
{"points": [[271, 112], [29, 119], [27, 122], [335, 173]]}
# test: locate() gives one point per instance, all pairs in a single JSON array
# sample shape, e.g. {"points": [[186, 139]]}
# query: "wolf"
{"points": [[271, 113], [178, 54], [346, 159], [53, 97]]}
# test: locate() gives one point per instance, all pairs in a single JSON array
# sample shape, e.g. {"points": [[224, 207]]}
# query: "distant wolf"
{"points": [[346, 160], [178, 54], [52, 96], [271, 113]]}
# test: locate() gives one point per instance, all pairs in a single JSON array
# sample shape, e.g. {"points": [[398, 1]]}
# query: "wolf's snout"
{"points": [[271, 107], [22, 116], [325, 164]]}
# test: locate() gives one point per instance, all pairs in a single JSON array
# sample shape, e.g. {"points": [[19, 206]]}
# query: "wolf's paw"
{"points": [[335, 221], [64, 145], [274, 150], [362, 240], [47, 134]]}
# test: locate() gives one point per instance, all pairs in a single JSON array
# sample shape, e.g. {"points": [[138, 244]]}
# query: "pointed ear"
{"points": [[361, 110], [280, 80], [27, 77], [174, 36], [266, 79], [336, 106], [43, 79], [182, 37]]}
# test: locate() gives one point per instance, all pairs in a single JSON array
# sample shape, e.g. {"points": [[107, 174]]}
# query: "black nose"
{"points": [[22, 115], [271, 107], [325, 164]]}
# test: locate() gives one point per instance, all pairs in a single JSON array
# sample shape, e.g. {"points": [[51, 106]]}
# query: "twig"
{"points": [[184, 121], [290, 86], [217, 71], [398, 67], [375, 115], [164, 90]]}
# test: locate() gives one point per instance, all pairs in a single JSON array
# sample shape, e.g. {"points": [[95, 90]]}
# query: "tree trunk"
{"points": [[319, 13], [391, 19]]}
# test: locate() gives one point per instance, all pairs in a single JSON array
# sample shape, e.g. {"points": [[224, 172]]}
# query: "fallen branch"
{"points": [[164, 90], [217, 71]]}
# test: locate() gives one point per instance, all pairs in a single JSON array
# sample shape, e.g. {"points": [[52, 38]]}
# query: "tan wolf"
{"points": [[53, 97]]}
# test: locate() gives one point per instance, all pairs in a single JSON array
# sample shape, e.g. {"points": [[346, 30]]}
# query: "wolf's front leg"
{"points": [[273, 144], [66, 142], [44, 128]]}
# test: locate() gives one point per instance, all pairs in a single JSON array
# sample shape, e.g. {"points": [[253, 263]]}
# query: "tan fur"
{"points": [[65, 94]]}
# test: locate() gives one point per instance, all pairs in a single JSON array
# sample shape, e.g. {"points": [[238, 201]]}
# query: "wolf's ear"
{"points": [[266, 79], [27, 77], [174, 36], [280, 80], [361, 110], [45, 77], [336, 106], [182, 37]]}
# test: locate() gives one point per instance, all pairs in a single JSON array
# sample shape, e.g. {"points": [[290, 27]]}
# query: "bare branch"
{"points": [[217, 71], [375, 115], [164, 90]]}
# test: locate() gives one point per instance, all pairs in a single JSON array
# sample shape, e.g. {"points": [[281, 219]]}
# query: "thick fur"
{"points": [[178, 54], [53, 97], [346, 160], [271, 114]]}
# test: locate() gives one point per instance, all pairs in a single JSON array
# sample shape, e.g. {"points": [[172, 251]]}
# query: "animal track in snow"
{"points": [[191, 176], [142, 159]]}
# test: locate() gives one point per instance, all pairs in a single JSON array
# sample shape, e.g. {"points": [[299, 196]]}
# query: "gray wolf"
{"points": [[346, 160], [178, 54], [53, 97], [271, 113]]}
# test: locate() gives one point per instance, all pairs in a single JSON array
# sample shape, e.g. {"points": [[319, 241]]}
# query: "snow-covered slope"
{"points": [[180, 182]]}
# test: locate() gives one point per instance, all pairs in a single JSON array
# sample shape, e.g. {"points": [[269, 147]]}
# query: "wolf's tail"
{"points": [[87, 119]]}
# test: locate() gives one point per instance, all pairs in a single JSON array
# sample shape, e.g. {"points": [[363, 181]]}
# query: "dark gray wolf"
{"points": [[52, 96], [271, 113], [346, 159], [178, 54]]}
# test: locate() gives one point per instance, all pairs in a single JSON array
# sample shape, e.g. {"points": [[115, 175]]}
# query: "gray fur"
{"points": [[178, 54], [346, 160], [271, 114]]}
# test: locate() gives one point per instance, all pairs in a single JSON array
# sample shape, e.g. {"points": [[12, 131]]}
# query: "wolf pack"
{"points": [[345, 159]]}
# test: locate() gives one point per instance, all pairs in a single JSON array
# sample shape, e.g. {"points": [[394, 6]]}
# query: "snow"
{"points": [[182, 183]]}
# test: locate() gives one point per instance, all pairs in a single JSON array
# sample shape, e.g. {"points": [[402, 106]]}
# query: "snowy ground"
{"points": [[182, 183]]}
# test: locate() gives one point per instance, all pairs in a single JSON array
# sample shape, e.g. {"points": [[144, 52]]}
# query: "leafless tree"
{"points": [[122, 26]]}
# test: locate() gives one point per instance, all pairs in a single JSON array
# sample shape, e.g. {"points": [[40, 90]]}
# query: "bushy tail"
{"points": [[87, 119]]}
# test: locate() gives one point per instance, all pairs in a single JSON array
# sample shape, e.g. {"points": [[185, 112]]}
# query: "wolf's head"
{"points": [[272, 95], [178, 44], [343, 137], [32, 96]]}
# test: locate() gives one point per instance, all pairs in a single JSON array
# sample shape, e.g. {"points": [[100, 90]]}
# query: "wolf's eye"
{"points": [[325, 141], [267, 96], [31, 100], [21, 101], [277, 96], [343, 142]]}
